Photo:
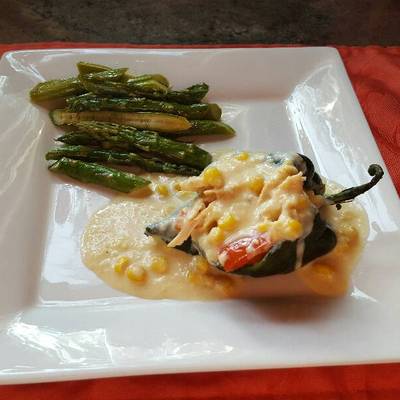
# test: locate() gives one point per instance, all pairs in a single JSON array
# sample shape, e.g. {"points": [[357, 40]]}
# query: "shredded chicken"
{"points": [[210, 195], [208, 217], [193, 184], [188, 224], [287, 175]]}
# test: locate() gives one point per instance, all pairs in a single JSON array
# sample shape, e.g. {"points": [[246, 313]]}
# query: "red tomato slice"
{"points": [[245, 251]]}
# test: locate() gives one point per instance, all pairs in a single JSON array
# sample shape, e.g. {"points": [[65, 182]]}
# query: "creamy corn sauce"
{"points": [[329, 275], [245, 194]]}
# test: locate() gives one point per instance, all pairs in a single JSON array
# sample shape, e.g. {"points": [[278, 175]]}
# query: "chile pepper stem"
{"points": [[349, 194]]}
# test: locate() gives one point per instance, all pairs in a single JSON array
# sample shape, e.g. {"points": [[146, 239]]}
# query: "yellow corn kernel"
{"points": [[212, 176], [136, 273], [121, 264], [159, 265], [256, 184], [177, 186], [299, 202], [288, 169], [294, 228], [162, 189], [323, 271], [201, 265], [228, 222], [273, 212], [216, 235], [243, 156], [264, 226]]}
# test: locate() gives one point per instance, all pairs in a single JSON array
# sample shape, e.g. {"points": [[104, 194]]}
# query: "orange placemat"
{"points": [[375, 74]]}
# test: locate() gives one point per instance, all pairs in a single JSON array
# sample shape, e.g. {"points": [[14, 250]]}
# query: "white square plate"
{"points": [[59, 321]]}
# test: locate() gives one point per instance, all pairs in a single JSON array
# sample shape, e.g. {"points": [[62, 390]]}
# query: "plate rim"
{"points": [[114, 371]]}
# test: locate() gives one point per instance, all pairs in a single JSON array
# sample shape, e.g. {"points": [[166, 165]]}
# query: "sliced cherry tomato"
{"points": [[245, 251]]}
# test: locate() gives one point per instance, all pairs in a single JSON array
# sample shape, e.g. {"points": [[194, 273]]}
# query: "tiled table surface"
{"points": [[313, 22]]}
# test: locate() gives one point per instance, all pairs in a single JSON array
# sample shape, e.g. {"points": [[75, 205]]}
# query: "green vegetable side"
{"points": [[90, 154], [115, 114], [99, 175]]}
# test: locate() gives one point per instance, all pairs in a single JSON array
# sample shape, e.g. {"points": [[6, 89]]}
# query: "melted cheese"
{"points": [[117, 233], [254, 192]]}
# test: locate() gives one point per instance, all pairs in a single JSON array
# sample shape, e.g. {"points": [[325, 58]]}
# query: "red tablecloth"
{"points": [[375, 74]]}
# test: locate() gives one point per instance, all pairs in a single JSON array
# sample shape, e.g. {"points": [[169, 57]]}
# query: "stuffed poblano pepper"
{"points": [[257, 214]]}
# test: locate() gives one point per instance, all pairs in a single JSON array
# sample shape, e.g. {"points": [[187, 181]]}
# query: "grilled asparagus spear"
{"points": [[147, 77], [57, 88], [192, 111], [148, 88], [132, 88], [159, 122], [99, 175], [84, 139], [87, 68], [112, 75], [184, 153], [90, 154], [190, 95], [61, 88], [207, 128]]}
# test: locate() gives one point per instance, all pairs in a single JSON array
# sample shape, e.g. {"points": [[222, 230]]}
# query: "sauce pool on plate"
{"points": [[115, 247]]}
